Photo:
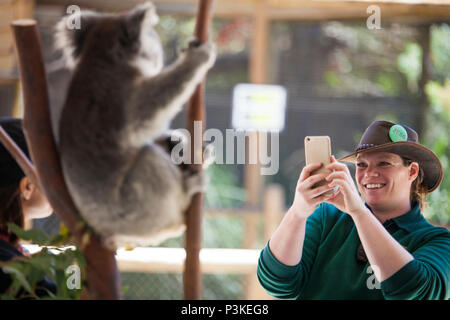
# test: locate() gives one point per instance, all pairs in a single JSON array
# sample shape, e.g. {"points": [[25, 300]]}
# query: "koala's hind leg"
{"points": [[194, 182], [197, 181]]}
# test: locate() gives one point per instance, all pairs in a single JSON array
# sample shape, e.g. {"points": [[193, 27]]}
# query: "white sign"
{"points": [[259, 107]]}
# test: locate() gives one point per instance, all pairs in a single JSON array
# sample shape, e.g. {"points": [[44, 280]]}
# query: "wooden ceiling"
{"points": [[9, 11], [261, 11], [301, 10]]}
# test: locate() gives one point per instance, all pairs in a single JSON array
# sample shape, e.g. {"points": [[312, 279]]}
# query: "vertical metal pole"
{"points": [[196, 112]]}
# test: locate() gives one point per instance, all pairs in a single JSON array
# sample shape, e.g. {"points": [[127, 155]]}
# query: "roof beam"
{"points": [[300, 10]]}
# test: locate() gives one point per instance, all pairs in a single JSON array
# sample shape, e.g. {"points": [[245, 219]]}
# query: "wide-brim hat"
{"points": [[386, 136]]}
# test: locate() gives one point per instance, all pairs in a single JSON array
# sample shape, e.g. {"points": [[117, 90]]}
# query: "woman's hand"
{"points": [[346, 198], [307, 199]]}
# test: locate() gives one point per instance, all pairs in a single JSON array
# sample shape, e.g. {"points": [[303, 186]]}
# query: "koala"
{"points": [[113, 139]]}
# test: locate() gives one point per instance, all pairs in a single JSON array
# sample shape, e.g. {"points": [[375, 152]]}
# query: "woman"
{"points": [[20, 201], [377, 246]]}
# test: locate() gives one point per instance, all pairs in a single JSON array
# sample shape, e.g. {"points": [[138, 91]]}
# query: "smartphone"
{"points": [[318, 149]]}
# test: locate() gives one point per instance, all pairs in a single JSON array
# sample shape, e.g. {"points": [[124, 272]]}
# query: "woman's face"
{"points": [[384, 181]]}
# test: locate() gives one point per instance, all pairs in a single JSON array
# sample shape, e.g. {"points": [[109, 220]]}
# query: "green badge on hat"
{"points": [[398, 133]]}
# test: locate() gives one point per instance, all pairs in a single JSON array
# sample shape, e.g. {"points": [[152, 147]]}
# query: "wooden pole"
{"points": [[253, 180], [21, 159], [426, 75], [102, 273], [196, 112]]}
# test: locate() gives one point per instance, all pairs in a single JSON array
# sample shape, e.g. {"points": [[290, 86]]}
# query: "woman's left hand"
{"points": [[346, 198]]}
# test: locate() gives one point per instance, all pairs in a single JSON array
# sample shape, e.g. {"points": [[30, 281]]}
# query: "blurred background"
{"points": [[339, 74]]}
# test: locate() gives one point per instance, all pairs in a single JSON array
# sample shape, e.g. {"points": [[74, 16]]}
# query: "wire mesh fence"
{"points": [[170, 286]]}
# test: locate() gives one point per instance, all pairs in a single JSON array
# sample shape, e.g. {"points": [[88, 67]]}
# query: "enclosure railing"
{"points": [[214, 260], [240, 261]]}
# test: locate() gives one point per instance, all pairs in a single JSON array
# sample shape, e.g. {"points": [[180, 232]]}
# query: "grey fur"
{"points": [[119, 102]]}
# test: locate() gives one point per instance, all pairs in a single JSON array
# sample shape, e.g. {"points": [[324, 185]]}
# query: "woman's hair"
{"points": [[10, 211], [10, 176], [419, 191]]}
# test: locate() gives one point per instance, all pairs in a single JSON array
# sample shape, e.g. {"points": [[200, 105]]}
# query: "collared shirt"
{"points": [[329, 267]]}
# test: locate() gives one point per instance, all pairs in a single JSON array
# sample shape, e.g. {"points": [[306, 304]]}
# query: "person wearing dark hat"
{"points": [[374, 244], [20, 200]]}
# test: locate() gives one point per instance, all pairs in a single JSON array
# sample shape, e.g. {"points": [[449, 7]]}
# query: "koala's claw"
{"points": [[194, 43], [209, 155]]}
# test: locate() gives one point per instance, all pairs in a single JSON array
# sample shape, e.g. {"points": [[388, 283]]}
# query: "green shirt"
{"points": [[329, 268]]}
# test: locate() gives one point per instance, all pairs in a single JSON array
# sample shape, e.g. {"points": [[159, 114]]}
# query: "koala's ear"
{"points": [[141, 17], [71, 32]]}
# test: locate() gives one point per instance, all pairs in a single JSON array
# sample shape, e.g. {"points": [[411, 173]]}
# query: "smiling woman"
{"points": [[325, 246], [385, 182], [410, 184]]}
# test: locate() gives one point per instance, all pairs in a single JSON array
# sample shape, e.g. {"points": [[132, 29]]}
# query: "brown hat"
{"points": [[403, 141]]}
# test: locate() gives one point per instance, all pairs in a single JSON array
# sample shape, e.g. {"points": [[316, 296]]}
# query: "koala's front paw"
{"points": [[202, 52]]}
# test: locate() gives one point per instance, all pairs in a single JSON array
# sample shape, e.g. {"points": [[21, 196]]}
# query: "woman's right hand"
{"points": [[307, 199]]}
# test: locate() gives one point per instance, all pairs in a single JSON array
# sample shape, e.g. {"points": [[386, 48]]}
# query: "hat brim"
{"points": [[428, 161]]}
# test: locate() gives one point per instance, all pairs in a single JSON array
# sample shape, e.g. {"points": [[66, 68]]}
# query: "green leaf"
{"points": [[58, 239], [51, 261], [78, 256], [19, 276], [332, 79], [35, 235], [409, 62], [125, 289], [41, 261], [38, 236], [50, 294]]}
